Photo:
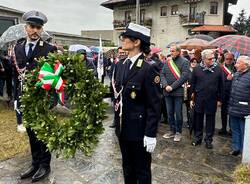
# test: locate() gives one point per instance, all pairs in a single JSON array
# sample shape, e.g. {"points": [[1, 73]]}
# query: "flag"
{"points": [[100, 61]]}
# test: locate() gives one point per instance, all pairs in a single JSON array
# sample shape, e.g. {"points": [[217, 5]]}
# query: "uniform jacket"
{"points": [[41, 49], [208, 89], [141, 100], [239, 104], [167, 77]]}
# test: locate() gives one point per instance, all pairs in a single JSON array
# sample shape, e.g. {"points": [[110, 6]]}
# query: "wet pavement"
{"points": [[173, 163]]}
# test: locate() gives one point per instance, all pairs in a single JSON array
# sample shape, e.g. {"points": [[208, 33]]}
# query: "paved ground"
{"points": [[173, 163]]}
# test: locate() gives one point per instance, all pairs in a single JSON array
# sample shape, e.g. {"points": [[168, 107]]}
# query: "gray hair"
{"points": [[204, 53], [245, 59], [177, 47]]}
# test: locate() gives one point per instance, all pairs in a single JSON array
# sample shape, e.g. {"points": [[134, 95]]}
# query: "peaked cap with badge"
{"points": [[137, 31], [35, 18]]}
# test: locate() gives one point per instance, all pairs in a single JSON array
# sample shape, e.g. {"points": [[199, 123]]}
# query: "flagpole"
{"points": [[137, 11]]}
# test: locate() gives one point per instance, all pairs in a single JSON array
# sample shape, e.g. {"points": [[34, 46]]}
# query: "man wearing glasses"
{"points": [[26, 54], [207, 92]]}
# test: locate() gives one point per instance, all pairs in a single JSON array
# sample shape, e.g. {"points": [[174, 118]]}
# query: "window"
{"points": [[142, 16], [214, 8], [192, 11], [163, 11], [174, 10], [128, 16]]}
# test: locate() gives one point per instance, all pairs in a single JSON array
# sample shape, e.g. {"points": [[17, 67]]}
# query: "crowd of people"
{"points": [[146, 86]]}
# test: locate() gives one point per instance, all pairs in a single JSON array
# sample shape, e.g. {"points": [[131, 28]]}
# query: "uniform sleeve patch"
{"points": [[157, 79]]}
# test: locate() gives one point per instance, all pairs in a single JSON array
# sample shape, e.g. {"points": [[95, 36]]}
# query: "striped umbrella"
{"points": [[238, 44]]}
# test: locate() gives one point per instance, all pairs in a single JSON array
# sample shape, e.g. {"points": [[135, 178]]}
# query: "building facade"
{"points": [[171, 20], [9, 17], [71, 39]]}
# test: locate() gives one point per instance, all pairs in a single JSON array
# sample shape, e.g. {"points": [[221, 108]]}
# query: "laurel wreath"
{"points": [[62, 134]]}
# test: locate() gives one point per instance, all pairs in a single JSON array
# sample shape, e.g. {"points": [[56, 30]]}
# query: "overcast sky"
{"points": [[72, 16]]}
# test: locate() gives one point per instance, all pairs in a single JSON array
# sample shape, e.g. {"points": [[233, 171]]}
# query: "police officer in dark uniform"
{"points": [[26, 54], [137, 104]]}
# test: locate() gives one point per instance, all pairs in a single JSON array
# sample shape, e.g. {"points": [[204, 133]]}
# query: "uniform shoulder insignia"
{"points": [[139, 63], [157, 79], [21, 41]]}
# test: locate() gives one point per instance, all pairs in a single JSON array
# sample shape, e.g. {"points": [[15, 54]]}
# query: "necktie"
{"points": [[30, 50], [126, 68]]}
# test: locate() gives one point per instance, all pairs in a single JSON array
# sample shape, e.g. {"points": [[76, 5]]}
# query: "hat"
{"points": [[35, 18], [81, 51], [137, 31]]}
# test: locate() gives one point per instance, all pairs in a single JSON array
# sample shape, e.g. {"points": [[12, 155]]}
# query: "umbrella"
{"points": [[196, 43], [234, 43], [94, 49], [203, 37], [173, 43], [110, 52], [16, 32], [155, 50], [76, 47]]}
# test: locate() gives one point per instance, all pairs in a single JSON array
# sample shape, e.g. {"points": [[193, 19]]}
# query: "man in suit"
{"points": [[26, 54], [207, 90], [137, 104]]}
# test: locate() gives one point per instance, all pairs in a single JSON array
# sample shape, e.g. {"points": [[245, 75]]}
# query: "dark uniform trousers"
{"points": [[140, 116], [136, 162], [40, 156]]}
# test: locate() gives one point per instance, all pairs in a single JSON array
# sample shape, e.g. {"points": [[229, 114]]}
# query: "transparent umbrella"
{"points": [[16, 32], [76, 47]]}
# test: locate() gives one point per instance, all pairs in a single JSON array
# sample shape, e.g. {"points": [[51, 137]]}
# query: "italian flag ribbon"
{"points": [[51, 78], [226, 70], [173, 68]]}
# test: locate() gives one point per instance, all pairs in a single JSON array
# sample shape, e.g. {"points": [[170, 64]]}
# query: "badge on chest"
{"points": [[133, 94]]}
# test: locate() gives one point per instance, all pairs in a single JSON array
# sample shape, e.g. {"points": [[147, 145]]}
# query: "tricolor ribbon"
{"points": [[174, 69], [50, 78], [226, 70]]}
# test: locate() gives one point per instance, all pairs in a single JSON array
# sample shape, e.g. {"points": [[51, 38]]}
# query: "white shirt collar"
{"points": [[27, 45], [133, 59]]}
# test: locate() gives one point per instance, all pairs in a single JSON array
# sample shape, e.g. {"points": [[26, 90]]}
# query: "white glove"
{"points": [[149, 143], [15, 107]]}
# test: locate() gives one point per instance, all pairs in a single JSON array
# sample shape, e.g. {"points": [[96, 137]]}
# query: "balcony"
{"points": [[121, 24], [192, 20]]}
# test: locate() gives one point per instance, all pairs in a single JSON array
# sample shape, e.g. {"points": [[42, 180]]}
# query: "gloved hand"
{"points": [[15, 107], [149, 143]]}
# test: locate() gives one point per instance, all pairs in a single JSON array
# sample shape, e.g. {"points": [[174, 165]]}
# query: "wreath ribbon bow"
{"points": [[51, 78]]}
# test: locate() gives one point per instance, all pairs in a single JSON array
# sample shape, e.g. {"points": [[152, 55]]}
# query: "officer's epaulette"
{"points": [[21, 41], [150, 61]]}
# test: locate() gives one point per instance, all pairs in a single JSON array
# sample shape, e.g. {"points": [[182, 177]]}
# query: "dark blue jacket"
{"points": [[141, 100], [208, 89], [239, 104], [41, 50]]}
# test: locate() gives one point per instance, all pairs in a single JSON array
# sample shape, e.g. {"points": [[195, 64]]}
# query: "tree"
{"points": [[242, 23]]}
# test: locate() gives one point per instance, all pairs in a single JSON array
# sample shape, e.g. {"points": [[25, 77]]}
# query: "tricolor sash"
{"points": [[174, 69], [226, 70]]}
